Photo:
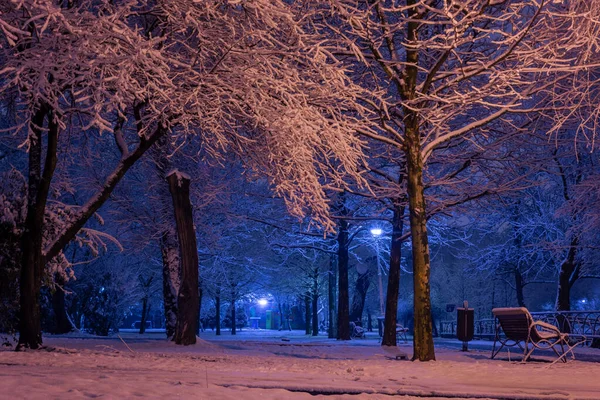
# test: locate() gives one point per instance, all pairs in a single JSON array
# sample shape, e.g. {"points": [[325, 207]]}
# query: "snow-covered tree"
{"points": [[244, 78], [453, 72]]}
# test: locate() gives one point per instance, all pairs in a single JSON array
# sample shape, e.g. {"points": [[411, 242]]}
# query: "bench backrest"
{"points": [[515, 322]]}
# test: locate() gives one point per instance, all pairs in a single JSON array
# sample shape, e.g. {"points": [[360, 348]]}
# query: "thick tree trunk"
{"points": [[33, 260], [393, 287], [30, 330], [332, 331], [307, 313], [360, 294], [187, 300], [61, 319], [519, 288], [566, 278], [343, 320], [171, 268], [144, 315], [315, 301], [171, 279], [423, 337], [146, 285], [218, 312]]}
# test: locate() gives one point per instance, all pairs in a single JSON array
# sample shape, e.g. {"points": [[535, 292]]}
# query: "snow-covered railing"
{"points": [[578, 324]]}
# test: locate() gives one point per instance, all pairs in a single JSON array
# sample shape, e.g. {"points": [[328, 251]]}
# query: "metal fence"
{"points": [[578, 324]]}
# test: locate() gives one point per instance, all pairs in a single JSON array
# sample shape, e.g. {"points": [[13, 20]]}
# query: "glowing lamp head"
{"points": [[263, 302], [376, 231]]}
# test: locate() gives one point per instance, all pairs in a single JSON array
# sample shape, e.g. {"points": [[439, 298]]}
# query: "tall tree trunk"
{"points": [[61, 319], [33, 256], [171, 272], [280, 306], [144, 315], [171, 268], [332, 331], [343, 320], [233, 327], [307, 312], [315, 301], [146, 284], [519, 285], [200, 294], [566, 278], [187, 300], [393, 287], [218, 312], [423, 338], [360, 294], [33, 260]]}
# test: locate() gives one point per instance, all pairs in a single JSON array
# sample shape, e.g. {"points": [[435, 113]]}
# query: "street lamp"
{"points": [[376, 232], [263, 302]]}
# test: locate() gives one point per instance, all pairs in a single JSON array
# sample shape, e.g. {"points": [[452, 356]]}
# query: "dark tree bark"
{"points": [[363, 282], [315, 301], [307, 312], [61, 319], [423, 337], [393, 288], [233, 327], [187, 300], [332, 331], [343, 320], [569, 270], [279, 305], [200, 295], [519, 285], [567, 278], [146, 283], [145, 311], [218, 312], [171, 271], [33, 260], [171, 277]]}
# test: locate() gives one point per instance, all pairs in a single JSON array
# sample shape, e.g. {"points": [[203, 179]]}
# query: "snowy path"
{"points": [[227, 369]]}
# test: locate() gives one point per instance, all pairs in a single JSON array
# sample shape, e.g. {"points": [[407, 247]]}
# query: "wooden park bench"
{"points": [[519, 327]]}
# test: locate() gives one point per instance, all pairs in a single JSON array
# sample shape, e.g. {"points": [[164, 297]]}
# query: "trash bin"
{"points": [[465, 325]]}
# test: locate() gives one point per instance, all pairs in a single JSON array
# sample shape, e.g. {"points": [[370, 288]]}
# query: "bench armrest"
{"points": [[547, 326]]}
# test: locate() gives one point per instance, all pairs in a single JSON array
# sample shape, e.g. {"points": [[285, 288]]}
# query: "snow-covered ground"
{"points": [[260, 365]]}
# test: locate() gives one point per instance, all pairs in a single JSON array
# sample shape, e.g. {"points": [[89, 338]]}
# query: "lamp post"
{"points": [[376, 232]]}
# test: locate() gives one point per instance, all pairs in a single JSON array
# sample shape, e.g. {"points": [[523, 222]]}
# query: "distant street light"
{"points": [[263, 302], [376, 232]]}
